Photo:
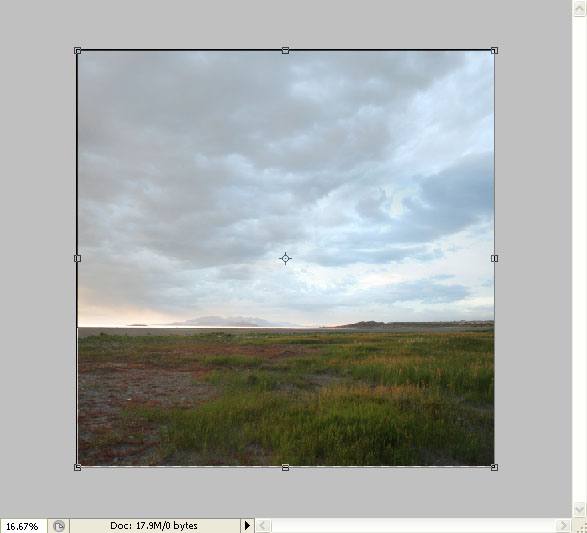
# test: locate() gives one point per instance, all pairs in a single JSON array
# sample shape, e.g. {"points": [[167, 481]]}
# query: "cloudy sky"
{"points": [[198, 170]]}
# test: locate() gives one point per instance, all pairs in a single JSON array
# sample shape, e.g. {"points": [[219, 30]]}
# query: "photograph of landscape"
{"points": [[285, 258]]}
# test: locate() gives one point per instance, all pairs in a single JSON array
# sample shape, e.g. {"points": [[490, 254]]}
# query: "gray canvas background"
{"points": [[533, 284]]}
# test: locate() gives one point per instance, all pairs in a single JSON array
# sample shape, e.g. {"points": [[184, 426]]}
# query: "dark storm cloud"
{"points": [[428, 290], [452, 199], [195, 166], [445, 203], [346, 252]]}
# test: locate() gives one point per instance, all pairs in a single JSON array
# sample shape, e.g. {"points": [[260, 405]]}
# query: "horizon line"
{"points": [[253, 326]]}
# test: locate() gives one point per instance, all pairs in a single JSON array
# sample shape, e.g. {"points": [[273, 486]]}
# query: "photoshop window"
{"points": [[307, 268]]}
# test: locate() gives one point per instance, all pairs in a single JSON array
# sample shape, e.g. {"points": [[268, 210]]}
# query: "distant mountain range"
{"points": [[373, 324], [231, 322]]}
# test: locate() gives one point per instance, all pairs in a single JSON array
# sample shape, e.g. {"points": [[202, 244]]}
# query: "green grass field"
{"points": [[332, 398]]}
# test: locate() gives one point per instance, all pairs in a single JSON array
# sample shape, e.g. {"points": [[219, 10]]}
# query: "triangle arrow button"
{"points": [[247, 524]]}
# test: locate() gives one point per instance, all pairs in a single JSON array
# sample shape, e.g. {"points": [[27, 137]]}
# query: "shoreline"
{"points": [[396, 327]]}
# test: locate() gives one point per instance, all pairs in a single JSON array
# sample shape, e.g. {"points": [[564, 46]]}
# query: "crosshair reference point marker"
{"points": [[285, 258]]}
